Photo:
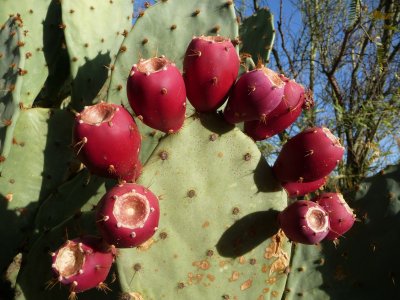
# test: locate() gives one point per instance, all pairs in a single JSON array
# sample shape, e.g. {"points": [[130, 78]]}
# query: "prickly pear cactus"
{"points": [[217, 236], [12, 62], [257, 34], [364, 264], [217, 232]]}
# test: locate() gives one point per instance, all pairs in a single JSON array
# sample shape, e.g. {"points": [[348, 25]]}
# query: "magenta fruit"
{"points": [[210, 66], [157, 95], [341, 216], [128, 215], [304, 222], [295, 99], [107, 141], [308, 156], [254, 96], [83, 263], [297, 189]]}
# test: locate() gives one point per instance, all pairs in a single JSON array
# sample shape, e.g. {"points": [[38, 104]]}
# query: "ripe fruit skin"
{"points": [[297, 189], [210, 66], [107, 141], [128, 215], [308, 156], [156, 92], [82, 263], [304, 222], [341, 216], [295, 99], [254, 96]]}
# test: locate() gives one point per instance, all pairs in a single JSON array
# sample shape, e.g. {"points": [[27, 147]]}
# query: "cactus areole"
{"points": [[128, 215], [107, 141], [210, 66], [82, 263], [156, 92], [304, 222]]}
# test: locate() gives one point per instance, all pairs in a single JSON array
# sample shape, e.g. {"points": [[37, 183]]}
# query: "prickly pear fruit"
{"points": [[288, 110], [83, 263], [254, 96], [128, 215], [297, 189], [107, 141], [308, 156], [341, 216], [304, 222], [210, 66], [156, 92]]}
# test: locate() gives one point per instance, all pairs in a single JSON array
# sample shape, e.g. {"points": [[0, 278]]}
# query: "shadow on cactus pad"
{"points": [[247, 233], [89, 80]]}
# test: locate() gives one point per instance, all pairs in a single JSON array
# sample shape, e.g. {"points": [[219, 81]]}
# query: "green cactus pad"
{"points": [[93, 31], [11, 61], [166, 28], [257, 34], [37, 164], [35, 29], [217, 235], [365, 264]]}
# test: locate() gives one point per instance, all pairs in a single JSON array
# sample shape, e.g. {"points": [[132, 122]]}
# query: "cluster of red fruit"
{"points": [[107, 141]]}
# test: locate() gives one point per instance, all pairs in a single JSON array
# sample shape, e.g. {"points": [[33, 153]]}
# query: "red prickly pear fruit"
{"points": [[156, 92], [297, 189], [211, 66], [83, 263], [341, 216], [284, 115], [304, 222], [310, 155], [254, 96], [128, 215], [107, 141]]}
